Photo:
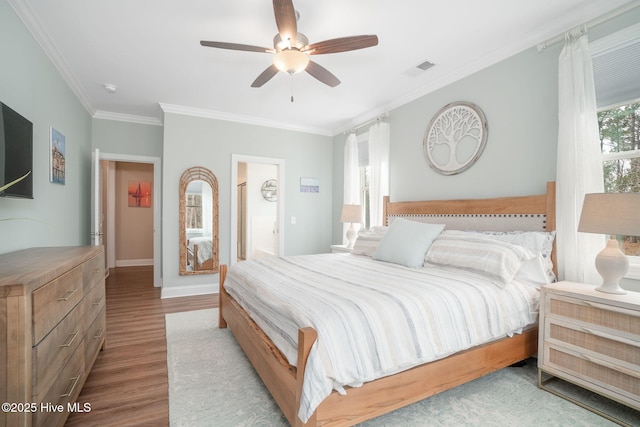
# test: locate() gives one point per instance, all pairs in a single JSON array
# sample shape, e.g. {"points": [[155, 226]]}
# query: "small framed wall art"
{"points": [[57, 164]]}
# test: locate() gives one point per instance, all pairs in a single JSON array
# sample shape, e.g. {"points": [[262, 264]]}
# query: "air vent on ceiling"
{"points": [[425, 65]]}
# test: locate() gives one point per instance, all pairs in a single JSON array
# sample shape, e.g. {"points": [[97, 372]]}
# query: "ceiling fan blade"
{"points": [[265, 76], [236, 46], [286, 19], [342, 44], [322, 74]]}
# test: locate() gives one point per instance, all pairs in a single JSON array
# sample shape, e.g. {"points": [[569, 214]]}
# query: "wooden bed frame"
{"points": [[389, 393], [192, 258]]}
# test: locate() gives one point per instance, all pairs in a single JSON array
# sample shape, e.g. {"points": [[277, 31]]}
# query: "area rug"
{"points": [[212, 383]]}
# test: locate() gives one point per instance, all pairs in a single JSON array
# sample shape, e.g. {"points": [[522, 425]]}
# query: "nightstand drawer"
{"points": [[598, 374], [594, 340], [595, 313]]}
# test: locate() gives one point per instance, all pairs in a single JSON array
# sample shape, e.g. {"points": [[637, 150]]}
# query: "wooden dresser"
{"points": [[591, 339], [52, 326]]}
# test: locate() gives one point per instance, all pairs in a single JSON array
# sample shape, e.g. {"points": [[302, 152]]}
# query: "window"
{"points": [[616, 59], [193, 212], [620, 144]]}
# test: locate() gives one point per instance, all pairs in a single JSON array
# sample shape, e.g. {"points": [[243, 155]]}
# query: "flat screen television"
{"points": [[16, 153]]}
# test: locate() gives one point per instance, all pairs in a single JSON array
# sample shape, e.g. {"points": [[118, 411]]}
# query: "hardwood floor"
{"points": [[128, 384]]}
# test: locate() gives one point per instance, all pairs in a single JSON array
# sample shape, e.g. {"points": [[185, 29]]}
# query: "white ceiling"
{"points": [[150, 49]]}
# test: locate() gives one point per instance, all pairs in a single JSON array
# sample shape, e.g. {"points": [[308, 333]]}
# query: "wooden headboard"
{"points": [[527, 213]]}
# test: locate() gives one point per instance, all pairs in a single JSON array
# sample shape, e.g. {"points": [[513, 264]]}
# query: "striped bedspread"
{"points": [[373, 318]]}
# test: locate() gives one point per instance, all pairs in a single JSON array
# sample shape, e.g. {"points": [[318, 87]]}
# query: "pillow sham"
{"points": [[537, 241], [493, 258], [532, 273], [406, 242], [368, 239]]}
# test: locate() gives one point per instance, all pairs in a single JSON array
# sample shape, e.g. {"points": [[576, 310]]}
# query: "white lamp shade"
{"points": [[351, 213], [611, 213]]}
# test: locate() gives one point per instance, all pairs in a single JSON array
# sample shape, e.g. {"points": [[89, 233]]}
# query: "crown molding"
{"points": [[25, 13], [228, 117], [106, 115]]}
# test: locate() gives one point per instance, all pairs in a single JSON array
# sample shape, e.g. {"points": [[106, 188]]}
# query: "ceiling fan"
{"points": [[292, 49]]}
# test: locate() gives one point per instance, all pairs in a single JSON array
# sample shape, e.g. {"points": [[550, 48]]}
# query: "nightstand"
{"points": [[591, 339], [340, 249]]}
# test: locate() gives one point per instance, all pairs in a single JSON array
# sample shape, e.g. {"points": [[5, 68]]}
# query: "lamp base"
{"points": [[612, 265], [351, 236]]}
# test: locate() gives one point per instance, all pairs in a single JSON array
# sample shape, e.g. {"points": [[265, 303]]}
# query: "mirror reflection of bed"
{"points": [[198, 222], [199, 253]]}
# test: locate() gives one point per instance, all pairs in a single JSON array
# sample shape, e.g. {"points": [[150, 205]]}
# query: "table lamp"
{"points": [[613, 214], [351, 214]]}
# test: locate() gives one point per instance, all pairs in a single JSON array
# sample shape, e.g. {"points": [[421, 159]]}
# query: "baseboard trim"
{"points": [[188, 291], [133, 262]]}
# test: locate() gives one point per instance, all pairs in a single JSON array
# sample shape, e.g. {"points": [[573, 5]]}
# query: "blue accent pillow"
{"points": [[406, 242]]}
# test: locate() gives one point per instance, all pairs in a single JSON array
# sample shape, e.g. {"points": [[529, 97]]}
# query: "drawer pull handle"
{"points": [[611, 366], [97, 302], [95, 271], [100, 334], [612, 337], [613, 308], [73, 386], [68, 295], [73, 337]]}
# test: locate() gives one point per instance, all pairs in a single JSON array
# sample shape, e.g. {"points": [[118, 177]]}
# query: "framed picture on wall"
{"points": [[139, 194], [57, 165], [309, 185]]}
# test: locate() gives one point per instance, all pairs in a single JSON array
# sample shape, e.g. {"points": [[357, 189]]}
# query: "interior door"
{"points": [[96, 211]]}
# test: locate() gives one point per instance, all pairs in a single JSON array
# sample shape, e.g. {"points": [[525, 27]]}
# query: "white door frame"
{"points": [[157, 195], [240, 158]]}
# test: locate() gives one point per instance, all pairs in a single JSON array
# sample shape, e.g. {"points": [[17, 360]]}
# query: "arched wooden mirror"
{"points": [[198, 222]]}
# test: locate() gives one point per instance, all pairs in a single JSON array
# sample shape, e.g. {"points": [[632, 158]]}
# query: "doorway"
{"points": [[257, 206], [106, 206]]}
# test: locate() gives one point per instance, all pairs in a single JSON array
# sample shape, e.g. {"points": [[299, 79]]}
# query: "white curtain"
{"points": [[379, 135], [351, 171], [351, 177], [207, 209], [579, 161]]}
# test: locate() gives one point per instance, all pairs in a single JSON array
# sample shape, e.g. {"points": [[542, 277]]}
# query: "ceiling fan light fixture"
{"points": [[291, 61]]}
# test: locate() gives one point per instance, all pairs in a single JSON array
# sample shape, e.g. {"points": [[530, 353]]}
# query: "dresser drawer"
{"points": [[94, 337], [64, 389], [51, 354], [93, 303], [93, 272], [53, 301]]}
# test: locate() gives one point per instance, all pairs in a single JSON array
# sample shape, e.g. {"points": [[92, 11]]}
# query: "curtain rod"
{"points": [[623, 9], [368, 122]]}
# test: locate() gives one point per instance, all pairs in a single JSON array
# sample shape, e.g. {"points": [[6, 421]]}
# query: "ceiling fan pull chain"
{"points": [[291, 80]]}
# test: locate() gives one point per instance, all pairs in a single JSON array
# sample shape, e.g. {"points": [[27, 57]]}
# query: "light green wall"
{"points": [[58, 215], [127, 138], [519, 97], [195, 141]]}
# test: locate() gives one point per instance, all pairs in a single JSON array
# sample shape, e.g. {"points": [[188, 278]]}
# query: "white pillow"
{"points": [[406, 242], [493, 258], [368, 240], [537, 241], [532, 273]]}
